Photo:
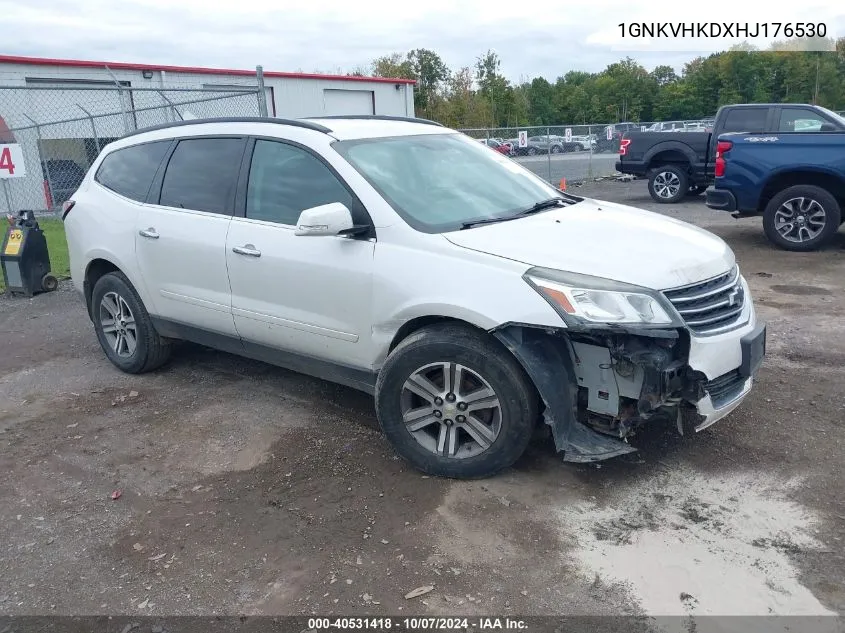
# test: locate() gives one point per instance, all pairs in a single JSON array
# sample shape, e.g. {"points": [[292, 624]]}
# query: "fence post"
{"points": [[262, 93], [44, 163], [6, 192], [93, 127], [126, 125], [161, 94], [549, 152], [590, 143]]}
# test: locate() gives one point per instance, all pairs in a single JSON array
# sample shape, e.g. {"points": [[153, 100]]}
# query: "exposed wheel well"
{"points": [[96, 269], [669, 157], [835, 185]]}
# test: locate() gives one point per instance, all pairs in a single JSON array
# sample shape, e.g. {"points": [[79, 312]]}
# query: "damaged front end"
{"points": [[600, 384]]}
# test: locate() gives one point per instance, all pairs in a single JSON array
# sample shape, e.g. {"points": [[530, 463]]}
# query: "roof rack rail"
{"points": [[247, 119], [379, 117]]}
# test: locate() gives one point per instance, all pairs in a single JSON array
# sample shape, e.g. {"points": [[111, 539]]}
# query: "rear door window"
{"points": [[751, 120], [202, 175], [799, 120], [130, 171]]}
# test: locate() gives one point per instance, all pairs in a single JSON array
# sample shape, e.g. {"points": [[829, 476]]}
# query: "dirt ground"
{"points": [[247, 489]]}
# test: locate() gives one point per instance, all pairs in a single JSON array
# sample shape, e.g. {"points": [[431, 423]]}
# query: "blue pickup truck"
{"points": [[794, 176]]}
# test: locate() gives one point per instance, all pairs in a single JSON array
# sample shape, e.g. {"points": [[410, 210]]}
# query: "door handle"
{"points": [[247, 249], [150, 232]]}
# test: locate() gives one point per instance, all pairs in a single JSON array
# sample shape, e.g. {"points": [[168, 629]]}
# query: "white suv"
{"points": [[475, 301]]}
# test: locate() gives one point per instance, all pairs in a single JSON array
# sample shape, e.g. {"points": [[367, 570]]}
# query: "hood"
{"points": [[606, 240]]}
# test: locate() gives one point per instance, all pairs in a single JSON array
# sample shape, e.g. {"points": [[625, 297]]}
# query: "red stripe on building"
{"points": [[77, 63]]}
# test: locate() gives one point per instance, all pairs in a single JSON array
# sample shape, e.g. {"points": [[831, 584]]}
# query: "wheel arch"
{"points": [[94, 271], [417, 323], [101, 263], [669, 153], [785, 178]]}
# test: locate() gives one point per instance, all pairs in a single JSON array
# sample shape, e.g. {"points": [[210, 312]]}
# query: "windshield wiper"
{"points": [[540, 206]]}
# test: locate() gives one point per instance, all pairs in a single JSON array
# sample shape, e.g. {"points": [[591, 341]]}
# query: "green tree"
{"points": [[483, 96], [539, 94], [395, 66], [664, 75], [494, 87], [430, 72]]}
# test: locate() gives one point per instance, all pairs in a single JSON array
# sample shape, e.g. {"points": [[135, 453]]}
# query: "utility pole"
{"points": [[816, 94]]}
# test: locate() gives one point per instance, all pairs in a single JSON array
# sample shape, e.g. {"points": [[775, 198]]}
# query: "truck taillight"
{"points": [[623, 146], [722, 148]]}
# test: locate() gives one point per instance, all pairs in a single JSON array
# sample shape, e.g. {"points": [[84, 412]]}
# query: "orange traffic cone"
{"points": [[562, 186]]}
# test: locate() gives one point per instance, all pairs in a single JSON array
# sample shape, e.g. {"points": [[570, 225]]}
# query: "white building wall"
{"points": [[287, 97]]}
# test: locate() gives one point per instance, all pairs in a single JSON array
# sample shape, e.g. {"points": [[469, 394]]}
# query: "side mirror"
{"points": [[327, 219], [828, 127]]}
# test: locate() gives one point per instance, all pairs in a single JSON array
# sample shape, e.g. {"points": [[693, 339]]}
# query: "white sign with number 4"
{"points": [[11, 161]]}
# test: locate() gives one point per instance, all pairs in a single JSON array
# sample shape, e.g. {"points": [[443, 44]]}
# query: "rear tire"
{"points": [[668, 184], [802, 218], [494, 400], [124, 328]]}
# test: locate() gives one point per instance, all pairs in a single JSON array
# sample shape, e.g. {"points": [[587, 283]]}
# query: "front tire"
{"points": [[455, 403], [124, 328], [801, 218], [668, 184]]}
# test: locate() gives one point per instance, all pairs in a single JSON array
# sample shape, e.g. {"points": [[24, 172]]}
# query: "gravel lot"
{"points": [[247, 489]]}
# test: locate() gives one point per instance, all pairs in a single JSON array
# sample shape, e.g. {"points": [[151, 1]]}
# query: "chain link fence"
{"points": [[60, 130], [574, 153]]}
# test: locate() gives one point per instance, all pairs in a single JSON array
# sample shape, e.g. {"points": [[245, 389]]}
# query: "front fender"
{"points": [[547, 360]]}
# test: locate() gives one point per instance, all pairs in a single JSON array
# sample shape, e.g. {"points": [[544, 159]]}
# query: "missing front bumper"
{"points": [[592, 410]]}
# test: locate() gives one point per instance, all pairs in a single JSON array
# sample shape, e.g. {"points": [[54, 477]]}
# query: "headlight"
{"points": [[597, 300]]}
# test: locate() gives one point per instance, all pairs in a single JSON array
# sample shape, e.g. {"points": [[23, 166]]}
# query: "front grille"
{"points": [[711, 306], [724, 388]]}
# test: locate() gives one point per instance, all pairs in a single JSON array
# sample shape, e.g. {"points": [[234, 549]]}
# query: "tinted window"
{"points": [[130, 171], [751, 120], [799, 120], [202, 174], [284, 180]]}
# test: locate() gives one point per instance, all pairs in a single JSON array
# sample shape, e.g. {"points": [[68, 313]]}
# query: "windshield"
{"points": [[439, 182], [834, 116]]}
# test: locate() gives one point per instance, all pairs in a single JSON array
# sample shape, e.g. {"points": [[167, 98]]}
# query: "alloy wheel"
{"points": [[451, 410], [118, 324], [667, 184], [800, 219]]}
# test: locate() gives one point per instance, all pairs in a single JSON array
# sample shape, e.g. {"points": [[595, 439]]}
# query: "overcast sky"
{"points": [[540, 37]]}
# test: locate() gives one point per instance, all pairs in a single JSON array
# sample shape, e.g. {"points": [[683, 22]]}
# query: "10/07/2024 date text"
{"points": [[417, 624]]}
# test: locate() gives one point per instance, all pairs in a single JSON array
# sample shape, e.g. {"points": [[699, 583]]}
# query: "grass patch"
{"points": [[54, 231]]}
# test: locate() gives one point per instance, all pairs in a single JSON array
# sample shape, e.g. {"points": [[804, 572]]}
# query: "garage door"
{"points": [[348, 101]]}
